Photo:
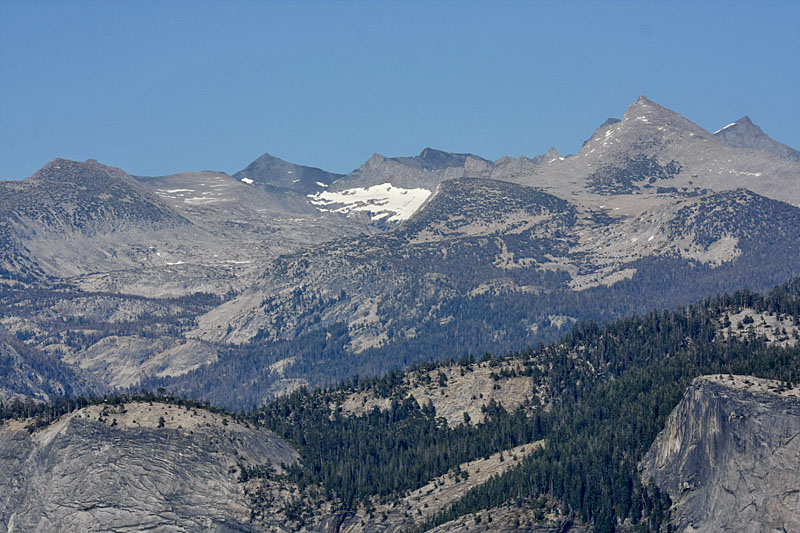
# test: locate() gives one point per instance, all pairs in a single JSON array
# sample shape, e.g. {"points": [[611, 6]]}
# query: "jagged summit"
{"points": [[425, 170], [548, 157], [431, 159], [642, 103], [437, 159], [645, 112], [654, 151], [745, 134]]}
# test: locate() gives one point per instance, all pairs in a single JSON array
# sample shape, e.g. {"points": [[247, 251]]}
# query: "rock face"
{"points": [[729, 456], [132, 467]]}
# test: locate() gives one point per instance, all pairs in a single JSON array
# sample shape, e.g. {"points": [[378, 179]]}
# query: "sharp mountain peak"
{"points": [[744, 133]]}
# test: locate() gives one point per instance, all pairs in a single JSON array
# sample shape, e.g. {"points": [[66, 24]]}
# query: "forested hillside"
{"points": [[599, 397], [610, 389]]}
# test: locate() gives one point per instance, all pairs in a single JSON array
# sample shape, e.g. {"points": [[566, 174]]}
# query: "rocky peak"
{"points": [[547, 157], [273, 171], [76, 172], [374, 160], [432, 159], [647, 112], [87, 197], [641, 105], [745, 134]]}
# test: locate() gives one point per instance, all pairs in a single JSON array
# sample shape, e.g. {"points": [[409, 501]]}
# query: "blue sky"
{"points": [[163, 87]]}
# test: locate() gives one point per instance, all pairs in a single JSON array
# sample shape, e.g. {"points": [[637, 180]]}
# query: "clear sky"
{"points": [[163, 87]]}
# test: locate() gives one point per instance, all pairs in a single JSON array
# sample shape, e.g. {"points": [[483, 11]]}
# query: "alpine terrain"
{"points": [[601, 341]]}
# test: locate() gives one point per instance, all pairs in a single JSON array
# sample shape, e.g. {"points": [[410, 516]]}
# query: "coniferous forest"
{"points": [[604, 410]]}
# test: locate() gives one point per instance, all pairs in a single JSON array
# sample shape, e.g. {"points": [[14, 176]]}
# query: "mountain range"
{"points": [[436, 342], [291, 275]]}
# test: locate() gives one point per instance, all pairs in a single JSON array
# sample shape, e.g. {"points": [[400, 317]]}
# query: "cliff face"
{"points": [[730, 456], [132, 467]]}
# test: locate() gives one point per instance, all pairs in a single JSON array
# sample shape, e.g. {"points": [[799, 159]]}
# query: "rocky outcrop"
{"points": [[131, 467], [729, 456]]}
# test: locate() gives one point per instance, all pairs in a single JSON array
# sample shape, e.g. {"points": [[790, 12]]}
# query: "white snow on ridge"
{"points": [[726, 127], [380, 201], [322, 184], [247, 181]]}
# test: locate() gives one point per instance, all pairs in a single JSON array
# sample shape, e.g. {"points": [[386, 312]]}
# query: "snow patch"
{"points": [[381, 201], [322, 184], [247, 181], [726, 127]]}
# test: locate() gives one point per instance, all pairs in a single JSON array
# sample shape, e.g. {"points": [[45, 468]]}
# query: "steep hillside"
{"points": [[729, 454], [116, 339], [600, 398]]}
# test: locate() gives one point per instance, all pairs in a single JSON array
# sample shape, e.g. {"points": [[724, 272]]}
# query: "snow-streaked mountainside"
{"points": [[380, 202]]}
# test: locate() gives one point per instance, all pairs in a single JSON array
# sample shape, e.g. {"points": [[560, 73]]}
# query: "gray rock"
{"points": [[730, 456], [118, 468]]}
